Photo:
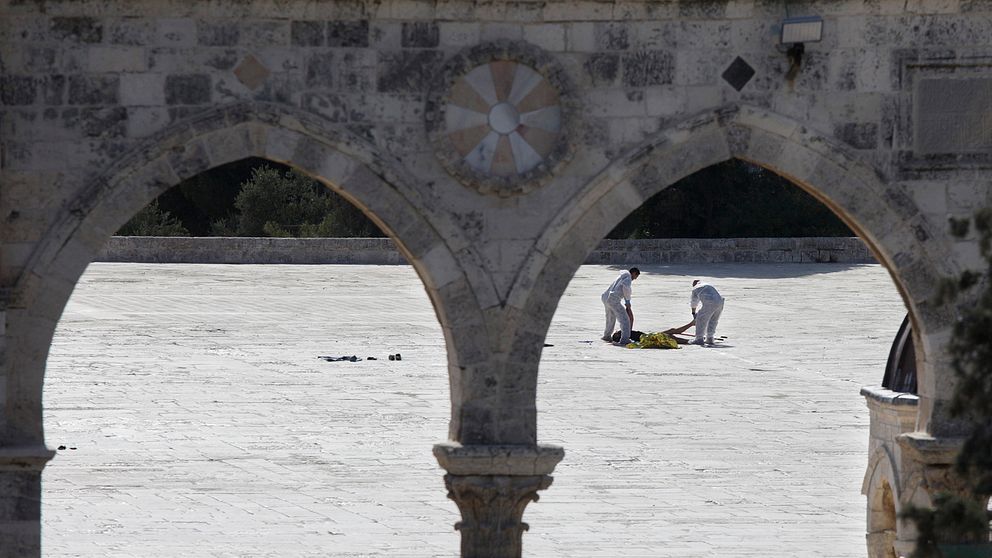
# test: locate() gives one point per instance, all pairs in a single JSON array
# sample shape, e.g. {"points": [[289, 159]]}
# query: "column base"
{"points": [[20, 500]]}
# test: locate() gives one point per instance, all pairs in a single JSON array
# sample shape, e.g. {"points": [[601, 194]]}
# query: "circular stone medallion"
{"points": [[500, 126]]}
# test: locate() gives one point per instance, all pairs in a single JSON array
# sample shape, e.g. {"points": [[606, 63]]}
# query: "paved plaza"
{"points": [[198, 421]]}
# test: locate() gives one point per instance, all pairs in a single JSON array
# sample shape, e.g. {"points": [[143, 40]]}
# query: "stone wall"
{"points": [[377, 251]]}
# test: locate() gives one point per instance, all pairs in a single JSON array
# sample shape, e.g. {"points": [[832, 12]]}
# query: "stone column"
{"points": [[928, 469], [20, 500], [491, 486]]}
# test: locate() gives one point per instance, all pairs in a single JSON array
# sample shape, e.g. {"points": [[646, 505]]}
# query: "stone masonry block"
{"points": [[602, 68], [615, 103], [647, 67], [94, 90], [420, 34], [78, 29], [145, 121], [703, 9], [407, 71], [189, 160], [229, 145], [580, 37], [548, 36], [266, 33], [107, 59], [348, 33], [18, 90], [217, 33], [176, 32], [188, 89], [320, 70], [501, 31], [307, 33], [611, 36], [458, 34], [130, 31]]}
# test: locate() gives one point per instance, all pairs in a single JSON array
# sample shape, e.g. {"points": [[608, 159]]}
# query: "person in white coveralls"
{"points": [[616, 299], [708, 316]]}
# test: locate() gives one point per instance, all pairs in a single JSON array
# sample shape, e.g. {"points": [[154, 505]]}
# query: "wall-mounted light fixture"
{"points": [[795, 32], [807, 29]]}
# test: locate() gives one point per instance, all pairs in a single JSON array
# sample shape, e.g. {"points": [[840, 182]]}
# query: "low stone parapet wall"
{"points": [[153, 249], [732, 250]]}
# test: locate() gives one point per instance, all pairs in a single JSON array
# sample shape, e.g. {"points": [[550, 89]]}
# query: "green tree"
{"points": [[286, 203], [963, 518], [152, 221]]}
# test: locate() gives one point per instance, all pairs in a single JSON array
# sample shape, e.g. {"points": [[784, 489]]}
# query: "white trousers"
{"points": [[616, 312], [707, 319]]}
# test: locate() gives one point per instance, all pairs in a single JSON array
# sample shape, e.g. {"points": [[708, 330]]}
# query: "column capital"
{"points": [[507, 460], [492, 509], [930, 450], [24, 458]]}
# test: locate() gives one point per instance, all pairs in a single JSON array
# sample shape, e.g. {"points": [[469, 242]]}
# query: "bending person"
{"points": [[619, 292], [708, 315]]}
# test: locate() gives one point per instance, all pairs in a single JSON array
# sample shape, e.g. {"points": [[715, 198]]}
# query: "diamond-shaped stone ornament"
{"points": [[738, 73]]}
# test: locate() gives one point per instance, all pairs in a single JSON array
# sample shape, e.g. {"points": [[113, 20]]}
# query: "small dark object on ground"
{"points": [[371, 358], [351, 358], [61, 447], [548, 345], [399, 356], [634, 336], [392, 357]]}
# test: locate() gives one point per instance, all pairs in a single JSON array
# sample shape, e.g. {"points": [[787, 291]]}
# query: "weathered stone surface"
{"points": [[859, 135], [78, 29], [647, 67], [18, 90], [420, 35], [191, 89], [884, 120], [407, 71], [84, 90], [217, 33], [307, 33], [348, 33], [955, 115]]}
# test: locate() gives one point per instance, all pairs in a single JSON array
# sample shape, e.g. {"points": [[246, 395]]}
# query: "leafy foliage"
{"points": [[953, 520], [152, 221], [732, 199], [964, 518], [255, 197]]}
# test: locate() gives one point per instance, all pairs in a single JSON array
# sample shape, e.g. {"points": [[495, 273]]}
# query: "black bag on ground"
{"points": [[634, 336]]}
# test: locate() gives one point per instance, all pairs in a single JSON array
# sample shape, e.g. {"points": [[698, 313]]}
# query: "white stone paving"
{"points": [[205, 426]]}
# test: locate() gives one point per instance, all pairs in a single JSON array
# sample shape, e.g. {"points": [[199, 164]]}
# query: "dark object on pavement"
{"points": [[351, 358], [371, 358], [635, 336], [392, 357], [61, 447], [399, 356]]}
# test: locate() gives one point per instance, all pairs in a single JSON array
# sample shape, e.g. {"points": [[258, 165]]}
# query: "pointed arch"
{"points": [[348, 165], [881, 213]]}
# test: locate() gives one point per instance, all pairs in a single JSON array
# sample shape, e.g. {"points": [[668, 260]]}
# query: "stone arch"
{"points": [[881, 486], [348, 165], [883, 215]]}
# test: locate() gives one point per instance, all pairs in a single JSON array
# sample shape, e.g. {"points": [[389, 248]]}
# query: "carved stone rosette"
{"points": [[492, 509], [500, 117]]}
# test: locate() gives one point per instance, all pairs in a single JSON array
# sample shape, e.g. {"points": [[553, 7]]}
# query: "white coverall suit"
{"points": [[708, 316], [614, 299]]}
